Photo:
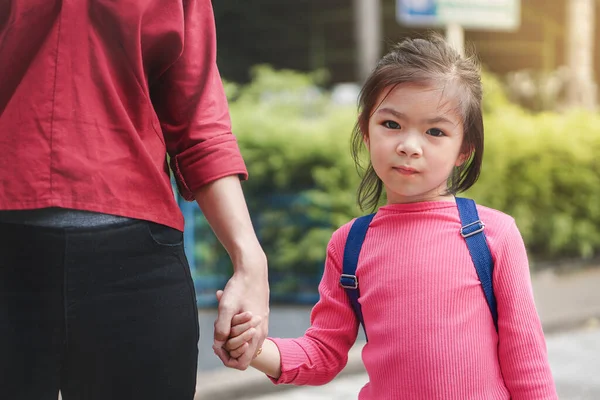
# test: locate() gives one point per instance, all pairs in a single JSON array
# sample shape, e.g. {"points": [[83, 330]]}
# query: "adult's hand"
{"points": [[246, 291], [223, 204]]}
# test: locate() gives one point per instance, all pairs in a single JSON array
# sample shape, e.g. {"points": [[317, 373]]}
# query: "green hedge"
{"points": [[542, 169]]}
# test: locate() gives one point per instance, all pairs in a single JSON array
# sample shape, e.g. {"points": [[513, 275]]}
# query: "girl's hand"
{"points": [[242, 331]]}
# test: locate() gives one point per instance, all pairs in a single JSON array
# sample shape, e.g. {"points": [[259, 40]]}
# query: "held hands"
{"points": [[246, 291], [243, 330]]}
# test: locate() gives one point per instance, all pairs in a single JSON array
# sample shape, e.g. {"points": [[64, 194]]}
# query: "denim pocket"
{"points": [[164, 235]]}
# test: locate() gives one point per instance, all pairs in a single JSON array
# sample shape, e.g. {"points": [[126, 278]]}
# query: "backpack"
{"points": [[471, 230]]}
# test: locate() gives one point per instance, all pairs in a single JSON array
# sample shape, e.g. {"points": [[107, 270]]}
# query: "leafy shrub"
{"points": [[543, 169]]}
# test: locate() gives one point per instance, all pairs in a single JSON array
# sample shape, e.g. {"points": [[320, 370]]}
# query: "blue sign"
{"points": [[476, 14], [419, 7]]}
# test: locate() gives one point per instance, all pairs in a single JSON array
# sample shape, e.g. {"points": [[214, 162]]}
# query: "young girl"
{"points": [[431, 333]]}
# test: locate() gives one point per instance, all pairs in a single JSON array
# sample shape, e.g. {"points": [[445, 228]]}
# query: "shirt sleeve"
{"points": [[318, 356], [521, 347], [190, 102]]}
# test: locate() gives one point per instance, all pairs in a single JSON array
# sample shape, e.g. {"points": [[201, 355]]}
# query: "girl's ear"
{"points": [[366, 141], [463, 157]]}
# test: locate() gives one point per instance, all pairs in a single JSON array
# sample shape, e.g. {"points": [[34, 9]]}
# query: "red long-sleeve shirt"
{"points": [[431, 333], [95, 93]]}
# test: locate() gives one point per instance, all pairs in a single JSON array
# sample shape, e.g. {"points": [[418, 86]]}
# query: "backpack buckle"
{"points": [[466, 232], [348, 281]]}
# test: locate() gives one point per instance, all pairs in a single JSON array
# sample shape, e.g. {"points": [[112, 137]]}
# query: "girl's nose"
{"points": [[410, 146]]}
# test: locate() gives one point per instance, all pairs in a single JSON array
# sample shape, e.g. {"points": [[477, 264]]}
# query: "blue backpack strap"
{"points": [[472, 230], [348, 279]]}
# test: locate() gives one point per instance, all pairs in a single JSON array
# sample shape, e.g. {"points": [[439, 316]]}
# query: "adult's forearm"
{"points": [[223, 204]]}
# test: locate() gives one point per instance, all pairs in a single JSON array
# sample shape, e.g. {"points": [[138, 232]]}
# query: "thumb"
{"points": [[223, 322]]}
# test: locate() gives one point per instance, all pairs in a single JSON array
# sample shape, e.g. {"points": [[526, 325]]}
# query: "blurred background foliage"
{"points": [[540, 167]]}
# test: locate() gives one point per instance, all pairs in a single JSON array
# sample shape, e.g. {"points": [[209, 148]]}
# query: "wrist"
{"points": [[269, 360], [249, 257]]}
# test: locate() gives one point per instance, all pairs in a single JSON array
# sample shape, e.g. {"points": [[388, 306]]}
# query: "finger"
{"points": [[238, 329], [256, 321], [238, 341], [223, 356], [219, 295], [241, 318], [239, 351], [243, 361], [223, 324], [229, 361]]}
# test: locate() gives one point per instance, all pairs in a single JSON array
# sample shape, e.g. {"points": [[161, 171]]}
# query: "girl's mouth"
{"points": [[406, 170]]}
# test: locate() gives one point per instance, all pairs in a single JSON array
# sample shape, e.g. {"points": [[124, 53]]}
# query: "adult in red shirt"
{"points": [[96, 298]]}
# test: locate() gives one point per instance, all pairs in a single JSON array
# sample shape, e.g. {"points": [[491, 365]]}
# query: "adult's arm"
{"points": [[194, 117]]}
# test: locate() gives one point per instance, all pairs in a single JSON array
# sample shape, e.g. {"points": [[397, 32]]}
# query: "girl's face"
{"points": [[415, 138]]}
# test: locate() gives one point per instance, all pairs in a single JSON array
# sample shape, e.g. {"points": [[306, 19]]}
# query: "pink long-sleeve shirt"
{"points": [[431, 334]]}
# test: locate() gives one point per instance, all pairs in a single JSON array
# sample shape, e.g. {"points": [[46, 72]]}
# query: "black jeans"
{"points": [[105, 313]]}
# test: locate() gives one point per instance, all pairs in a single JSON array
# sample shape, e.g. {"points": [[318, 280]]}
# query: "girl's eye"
{"points": [[391, 125], [435, 132]]}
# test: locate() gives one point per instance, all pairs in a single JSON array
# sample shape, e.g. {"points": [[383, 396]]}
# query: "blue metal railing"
{"points": [[210, 265]]}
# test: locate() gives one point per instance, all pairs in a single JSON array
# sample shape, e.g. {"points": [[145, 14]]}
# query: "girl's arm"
{"points": [[269, 360], [318, 356], [521, 344]]}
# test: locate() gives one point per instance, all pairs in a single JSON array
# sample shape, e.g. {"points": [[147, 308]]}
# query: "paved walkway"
{"points": [[566, 300]]}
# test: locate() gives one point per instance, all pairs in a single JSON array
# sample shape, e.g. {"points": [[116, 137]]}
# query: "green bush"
{"points": [[295, 143], [543, 169]]}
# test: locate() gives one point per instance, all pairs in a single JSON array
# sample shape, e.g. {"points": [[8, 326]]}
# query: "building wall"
{"points": [[254, 32], [310, 34]]}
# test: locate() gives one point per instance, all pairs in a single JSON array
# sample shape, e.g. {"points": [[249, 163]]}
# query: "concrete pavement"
{"points": [[564, 301]]}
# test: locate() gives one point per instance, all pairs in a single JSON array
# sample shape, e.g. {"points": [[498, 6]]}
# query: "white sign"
{"points": [[475, 14]]}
